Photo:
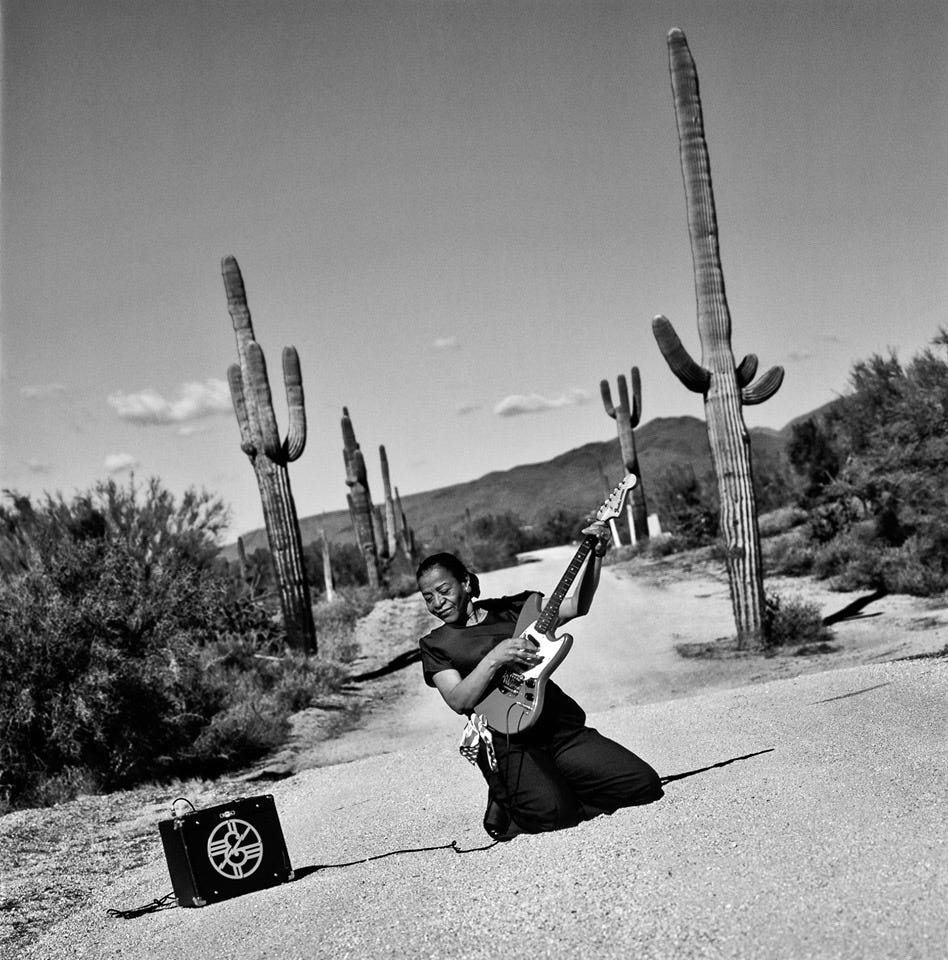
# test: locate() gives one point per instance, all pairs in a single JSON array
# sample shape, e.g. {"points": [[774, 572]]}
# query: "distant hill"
{"points": [[571, 481]]}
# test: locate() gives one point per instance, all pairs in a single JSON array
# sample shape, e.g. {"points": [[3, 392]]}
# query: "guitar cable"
{"points": [[169, 900]]}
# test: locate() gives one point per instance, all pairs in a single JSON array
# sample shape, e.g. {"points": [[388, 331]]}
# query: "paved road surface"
{"points": [[802, 818]]}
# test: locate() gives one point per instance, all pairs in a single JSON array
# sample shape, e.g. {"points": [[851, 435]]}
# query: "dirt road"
{"points": [[803, 817]]}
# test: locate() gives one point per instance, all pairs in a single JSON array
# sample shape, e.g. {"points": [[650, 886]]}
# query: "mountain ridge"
{"points": [[575, 480]]}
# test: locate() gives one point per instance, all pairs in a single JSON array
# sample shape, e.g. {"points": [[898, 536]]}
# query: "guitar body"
{"points": [[515, 700]]}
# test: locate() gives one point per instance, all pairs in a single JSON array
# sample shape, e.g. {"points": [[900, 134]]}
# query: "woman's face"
{"points": [[445, 596]]}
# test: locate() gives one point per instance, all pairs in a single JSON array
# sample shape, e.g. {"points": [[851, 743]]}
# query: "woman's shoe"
{"points": [[497, 820]]}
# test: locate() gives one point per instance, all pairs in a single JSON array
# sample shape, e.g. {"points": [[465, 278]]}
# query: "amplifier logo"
{"points": [[235, 849]]}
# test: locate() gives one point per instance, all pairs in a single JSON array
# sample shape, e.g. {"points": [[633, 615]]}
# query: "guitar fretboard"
{"points": [[545, 621]]}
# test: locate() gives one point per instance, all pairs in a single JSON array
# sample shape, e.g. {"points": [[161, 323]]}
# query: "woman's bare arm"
{"points": [[463, 695], [577, 604]]}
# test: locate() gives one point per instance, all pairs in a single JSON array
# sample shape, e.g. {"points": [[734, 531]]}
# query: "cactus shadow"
{"points": [[853, 611], [400, 662]]}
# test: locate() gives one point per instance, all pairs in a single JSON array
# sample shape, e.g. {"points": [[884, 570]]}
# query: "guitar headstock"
{"points": [[612, 507]]}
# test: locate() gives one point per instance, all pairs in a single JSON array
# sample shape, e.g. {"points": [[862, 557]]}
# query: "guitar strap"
{"points": [[474, 734]]}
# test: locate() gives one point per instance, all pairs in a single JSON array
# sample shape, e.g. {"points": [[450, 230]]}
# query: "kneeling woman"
{"points": [[559, 771]]}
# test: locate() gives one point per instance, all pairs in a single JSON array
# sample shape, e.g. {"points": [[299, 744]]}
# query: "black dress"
{"points": [[559, 771]]}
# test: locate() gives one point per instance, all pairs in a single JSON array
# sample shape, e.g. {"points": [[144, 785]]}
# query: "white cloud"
{"points": [[42, 391], [37, 466], [446, 343], [191, 429], [465, 408], [194, 400], [120, 462], [517, 403]]}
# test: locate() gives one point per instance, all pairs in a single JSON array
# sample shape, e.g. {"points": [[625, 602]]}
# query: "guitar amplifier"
{"points": [[225, 851]]}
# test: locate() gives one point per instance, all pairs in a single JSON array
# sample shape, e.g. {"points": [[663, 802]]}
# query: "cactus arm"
{"points": [[607, 398], [624, 408], [691, 374], [240, 409], [764, 388], [236, 297], [293, 379], [746, 370], [635, 410], [260, 385], [348, 431]]}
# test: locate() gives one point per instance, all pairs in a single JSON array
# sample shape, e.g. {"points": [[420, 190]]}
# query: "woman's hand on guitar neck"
{"points": [[597, 528]]}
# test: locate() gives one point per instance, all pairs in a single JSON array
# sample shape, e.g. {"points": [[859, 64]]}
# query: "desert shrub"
{"points": [[556, 528], [664, 546], [789, 554], [775, 484], [486, 542], [125, 652], [781, 520], [348, 566], [794, 621], [687, 504], [855, 560], [873, 466], [814, 454]]}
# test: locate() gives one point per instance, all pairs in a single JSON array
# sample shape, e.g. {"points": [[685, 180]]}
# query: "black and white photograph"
{"points": [[473, 479]]}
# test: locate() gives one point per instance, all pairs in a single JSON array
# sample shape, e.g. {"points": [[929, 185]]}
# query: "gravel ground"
{"points": [[802, 818], [807, 824]]}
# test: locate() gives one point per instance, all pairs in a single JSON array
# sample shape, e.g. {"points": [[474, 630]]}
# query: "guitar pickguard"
{"points": [[516, 697]]}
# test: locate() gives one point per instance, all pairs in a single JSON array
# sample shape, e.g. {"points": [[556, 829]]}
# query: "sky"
{"points": [[462, 213]]}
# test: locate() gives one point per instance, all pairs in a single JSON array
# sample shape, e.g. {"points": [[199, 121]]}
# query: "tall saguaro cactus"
{"points": [[726, 386], [406, 536], [627, 417], [269, 456], [391, 523], [360, 500]]}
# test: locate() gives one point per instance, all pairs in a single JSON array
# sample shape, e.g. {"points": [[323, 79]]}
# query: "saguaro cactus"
{"points": [[406, 536], [726, 386], [391, 523], [269, 456], [627, 418], [360, 500], [327, 567]]}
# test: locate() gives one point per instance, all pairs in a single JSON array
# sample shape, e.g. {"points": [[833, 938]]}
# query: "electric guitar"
{"points": [[515, 698]]}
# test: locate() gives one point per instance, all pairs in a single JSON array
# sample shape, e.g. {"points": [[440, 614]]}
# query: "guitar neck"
{"points": [[549, 613]]}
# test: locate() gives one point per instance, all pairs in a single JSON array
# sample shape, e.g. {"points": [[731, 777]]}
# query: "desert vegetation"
{"points": [[870, 468], [130, 651]]}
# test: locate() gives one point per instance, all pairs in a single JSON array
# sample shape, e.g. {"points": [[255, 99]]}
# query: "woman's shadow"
{"points": [[714, 766]]}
